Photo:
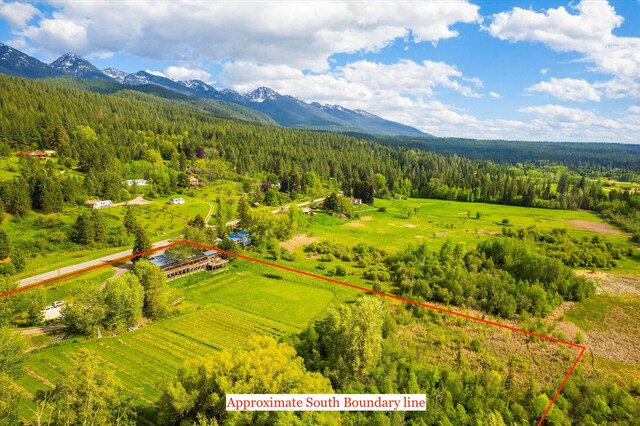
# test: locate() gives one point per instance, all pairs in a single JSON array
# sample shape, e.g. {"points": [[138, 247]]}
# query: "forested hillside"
{"points": [[599, 156], [99, 132]]}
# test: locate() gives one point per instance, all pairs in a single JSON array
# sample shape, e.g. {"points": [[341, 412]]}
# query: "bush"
{"points": [[272, 276], [382, 209], [49, 221], [340, 270], [287, 255], [475, 345]]}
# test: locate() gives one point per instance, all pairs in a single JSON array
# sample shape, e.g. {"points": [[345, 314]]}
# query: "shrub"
{"points": [[340, 270], [49, 221], [287, 255]]}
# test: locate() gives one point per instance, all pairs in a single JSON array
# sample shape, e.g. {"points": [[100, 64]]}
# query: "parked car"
{"points": [[58, 303]]}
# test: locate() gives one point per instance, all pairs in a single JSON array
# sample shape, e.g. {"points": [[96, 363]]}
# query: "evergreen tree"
{"points": [[83, 231], [5, 245], [197, 222], [129, 220], [141, 243], [221, 218], [243, 212]]}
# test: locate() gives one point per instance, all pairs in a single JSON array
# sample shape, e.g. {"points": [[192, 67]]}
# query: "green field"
{"points": [[437, 221], [213, 311]]}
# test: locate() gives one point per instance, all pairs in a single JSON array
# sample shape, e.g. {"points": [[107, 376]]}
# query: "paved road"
{"points": [[67, 269], [77, 267]]}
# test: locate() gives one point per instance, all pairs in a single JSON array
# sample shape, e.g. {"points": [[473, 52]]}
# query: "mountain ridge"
{"points": [[285, 110]]}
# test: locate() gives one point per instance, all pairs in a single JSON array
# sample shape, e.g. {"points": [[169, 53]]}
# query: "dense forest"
{"points": [[606, 157], [129, 133]]}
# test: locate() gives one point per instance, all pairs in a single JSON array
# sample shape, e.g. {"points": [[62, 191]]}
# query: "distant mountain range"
{"points": [[285, 110]]}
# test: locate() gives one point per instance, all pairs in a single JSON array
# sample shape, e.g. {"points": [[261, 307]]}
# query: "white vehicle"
{"points": [[58, 303], [49, 308]]}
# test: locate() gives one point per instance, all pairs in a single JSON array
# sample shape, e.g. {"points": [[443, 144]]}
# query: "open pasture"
{"points": [[435, 221]]}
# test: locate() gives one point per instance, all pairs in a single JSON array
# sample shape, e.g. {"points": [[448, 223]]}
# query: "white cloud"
{"points": [[567, 89], [63, 34], [18, 14], [404, 91], [357, 82], [495, 95], [299, 34], [634, 109], [184, 73], [558, 113], [588, 32], [544, 71]]}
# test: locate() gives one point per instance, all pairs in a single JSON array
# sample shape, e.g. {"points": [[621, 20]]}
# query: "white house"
{"points": [[98, 204], [179, 200], [137, 182]]}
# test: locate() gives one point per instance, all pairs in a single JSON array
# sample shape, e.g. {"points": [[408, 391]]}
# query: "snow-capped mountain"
{"points": [[232, 96], [14, 62], [136, 79], [76, 66], [365, 113], [198, 85], [262, 94], [117, 75], [285, 110]]}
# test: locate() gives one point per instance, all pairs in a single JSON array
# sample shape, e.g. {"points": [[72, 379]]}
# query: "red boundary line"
{"points": [[309, 274]]}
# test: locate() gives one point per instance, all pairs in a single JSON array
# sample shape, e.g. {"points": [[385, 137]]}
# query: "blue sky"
{"points": [[528, 70]]}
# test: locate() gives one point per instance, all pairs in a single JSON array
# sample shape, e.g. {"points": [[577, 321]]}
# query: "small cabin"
{"points": [[194, 182], [98, 204], [178, 200], [356, 201], [33, 154]]}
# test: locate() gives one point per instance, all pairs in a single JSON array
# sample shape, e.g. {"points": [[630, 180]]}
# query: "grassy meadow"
{"points": [[210, 312], [436, 221]]}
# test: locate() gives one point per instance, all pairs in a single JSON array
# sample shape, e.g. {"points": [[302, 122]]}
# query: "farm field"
{"points": [[212, 312], [436, 221]]}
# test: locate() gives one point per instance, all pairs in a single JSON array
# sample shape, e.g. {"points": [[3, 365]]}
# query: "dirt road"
{"points": [[41, 330]]}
